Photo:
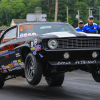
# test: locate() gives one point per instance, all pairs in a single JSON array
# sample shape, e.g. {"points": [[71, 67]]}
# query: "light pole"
{"points": [[56, 10], [99, 15], [67, 14], [78, 16], [90, 10]]}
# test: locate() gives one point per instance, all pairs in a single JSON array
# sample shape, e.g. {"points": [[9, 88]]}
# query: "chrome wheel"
{"points": [[30, 68]]}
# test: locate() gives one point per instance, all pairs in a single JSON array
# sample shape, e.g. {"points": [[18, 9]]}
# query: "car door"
{"points": [[7, 53]]}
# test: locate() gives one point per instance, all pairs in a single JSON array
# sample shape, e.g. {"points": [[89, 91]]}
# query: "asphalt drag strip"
{"points": [[77, 85]]}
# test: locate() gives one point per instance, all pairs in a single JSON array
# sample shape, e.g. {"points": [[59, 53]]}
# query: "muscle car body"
{"points": [[47, 48]]}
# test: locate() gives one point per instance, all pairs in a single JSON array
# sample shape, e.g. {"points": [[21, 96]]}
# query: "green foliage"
{"points": [[17, 9], [81, 6]]}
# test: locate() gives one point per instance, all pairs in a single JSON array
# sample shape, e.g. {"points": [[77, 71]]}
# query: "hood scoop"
{"points": [[66, 34]]}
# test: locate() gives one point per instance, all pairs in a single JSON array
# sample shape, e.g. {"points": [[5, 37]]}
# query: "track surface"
{"points": [[77, 86]]}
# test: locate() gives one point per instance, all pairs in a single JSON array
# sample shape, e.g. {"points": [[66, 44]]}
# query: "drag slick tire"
{"points": [[33, 69], [2, 80], [96, 76], [55, 80]]}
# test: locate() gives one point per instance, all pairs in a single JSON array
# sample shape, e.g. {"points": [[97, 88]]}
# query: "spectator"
{"points": [[80, 26], [90, 27]]}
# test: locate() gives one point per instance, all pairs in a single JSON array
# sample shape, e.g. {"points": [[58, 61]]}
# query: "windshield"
{"points": [[28, 30]]}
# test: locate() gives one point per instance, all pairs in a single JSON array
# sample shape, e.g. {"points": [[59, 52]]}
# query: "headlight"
{"points": [[52, 44]]}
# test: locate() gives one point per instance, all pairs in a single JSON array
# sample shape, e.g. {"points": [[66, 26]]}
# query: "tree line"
{"points": [[17, 9]]}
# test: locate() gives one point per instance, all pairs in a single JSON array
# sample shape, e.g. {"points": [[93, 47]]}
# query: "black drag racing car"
{"points": [[47, 48]]}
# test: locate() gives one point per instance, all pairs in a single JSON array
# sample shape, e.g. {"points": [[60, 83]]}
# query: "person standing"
{"points": [[80, 26], [91, 27]]}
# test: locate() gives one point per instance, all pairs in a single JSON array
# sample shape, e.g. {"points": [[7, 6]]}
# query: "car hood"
{"points": [[68, 34]]}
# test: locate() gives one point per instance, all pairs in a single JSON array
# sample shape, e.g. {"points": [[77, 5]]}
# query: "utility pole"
{"points": [[99, 15], [90, 10], [67, 14], [78, 16], [56, 10]]}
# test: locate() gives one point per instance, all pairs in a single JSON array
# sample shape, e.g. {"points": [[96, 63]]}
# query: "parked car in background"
{"points": [[50, 49]]}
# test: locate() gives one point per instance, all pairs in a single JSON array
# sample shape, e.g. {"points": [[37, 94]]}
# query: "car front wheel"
{"points": [[33, 69], [55, 80]]}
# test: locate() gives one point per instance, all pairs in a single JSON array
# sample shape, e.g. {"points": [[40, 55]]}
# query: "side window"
{"points": [[9, 35]]}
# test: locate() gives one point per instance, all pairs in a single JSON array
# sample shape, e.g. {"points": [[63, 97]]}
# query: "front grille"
{"points": [[78, 43]]}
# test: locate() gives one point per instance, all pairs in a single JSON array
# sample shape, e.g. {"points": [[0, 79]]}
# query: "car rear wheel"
{"points": [[96, 72], [96, 76], [55, 80], [33, 69], [2, 80]]}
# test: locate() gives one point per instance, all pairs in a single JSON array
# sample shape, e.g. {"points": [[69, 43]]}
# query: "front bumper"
{"points": [[77, 56]]}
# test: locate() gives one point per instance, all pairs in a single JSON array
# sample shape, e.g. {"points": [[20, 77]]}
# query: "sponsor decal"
{"points": [[35, 42], [31, 27], [7, 66], [21, 29], [21, 35], [64, 63], [85, 62], [9, 70], [10, 65], [3, 67], [77, 62], [22, 65], [38, 47], [32, 48], [29, 34], [41, 55], [16, 63], [25, 34], [19, 60], [17, 54], [13, 64], [33, 34], [14, 68], [34, 53], [18, 68], [26, 27], [31, 44]]}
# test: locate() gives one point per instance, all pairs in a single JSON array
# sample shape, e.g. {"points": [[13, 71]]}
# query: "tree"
{"points": [[82, 7]]}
